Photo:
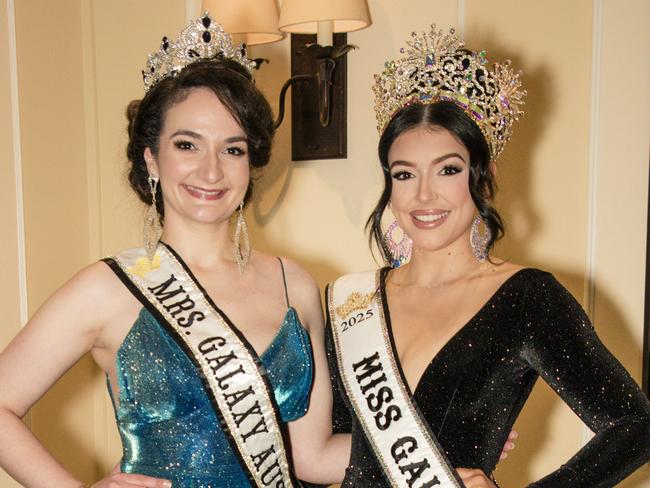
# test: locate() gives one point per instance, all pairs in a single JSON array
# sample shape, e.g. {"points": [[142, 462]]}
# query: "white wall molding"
{"points": [[592, 192], [91, 125], [17, 161], [192, 9], [461, 19]]}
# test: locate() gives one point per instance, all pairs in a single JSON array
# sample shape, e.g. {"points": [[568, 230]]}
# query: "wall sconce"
{"points": [[318, 62]]}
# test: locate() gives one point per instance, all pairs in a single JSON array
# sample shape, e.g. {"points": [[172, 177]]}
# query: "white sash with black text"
{"points": [[401, 440], [236, 386]]}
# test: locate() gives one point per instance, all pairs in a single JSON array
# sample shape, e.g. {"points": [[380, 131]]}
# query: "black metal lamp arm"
{"points": [[325, 57], [283, 95]]}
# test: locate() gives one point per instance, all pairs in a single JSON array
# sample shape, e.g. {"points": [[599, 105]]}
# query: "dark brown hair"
{"points": [[234, 87], [482, 186]]}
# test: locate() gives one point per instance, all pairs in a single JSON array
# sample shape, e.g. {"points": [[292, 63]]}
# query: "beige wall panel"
{"points": [[543, 172], [10, 284], [621, 163], [54, 176], [53, 148], [124, 33], [622, 181]]}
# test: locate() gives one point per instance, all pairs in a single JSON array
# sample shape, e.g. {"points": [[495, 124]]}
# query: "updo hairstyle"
{"points": [[234, 87]]}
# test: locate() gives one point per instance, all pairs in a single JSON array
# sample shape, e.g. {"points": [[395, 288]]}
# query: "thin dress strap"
{"points": [[284, 281]]}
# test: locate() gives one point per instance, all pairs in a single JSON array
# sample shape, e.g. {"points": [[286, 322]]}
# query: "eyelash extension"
{"points": [[238, 151], [401, 175], [183, 144], [455, 169]]}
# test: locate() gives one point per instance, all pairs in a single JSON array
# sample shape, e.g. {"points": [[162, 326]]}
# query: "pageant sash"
{"points": [[400, 438], [227, 364]]}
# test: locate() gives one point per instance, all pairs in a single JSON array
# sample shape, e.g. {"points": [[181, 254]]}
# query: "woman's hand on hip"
{"points": [[475, 478], [116, 479]]}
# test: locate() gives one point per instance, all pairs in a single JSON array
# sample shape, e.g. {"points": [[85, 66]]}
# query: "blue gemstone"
{"points": [[429, 59]]}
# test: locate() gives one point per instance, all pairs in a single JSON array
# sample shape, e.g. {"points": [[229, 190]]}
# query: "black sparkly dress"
{"points": [[473, 390]]}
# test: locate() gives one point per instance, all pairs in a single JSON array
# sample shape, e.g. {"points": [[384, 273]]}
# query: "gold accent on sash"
{"points": [[345, 380], [143, 266], [431, 444], [355, 301]]}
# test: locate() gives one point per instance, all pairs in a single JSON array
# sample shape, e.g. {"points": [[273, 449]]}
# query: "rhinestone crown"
{"points": [[436, 66], [202, 39]]}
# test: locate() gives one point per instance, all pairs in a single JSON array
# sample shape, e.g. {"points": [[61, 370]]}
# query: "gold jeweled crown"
{"points": [[436, 67], [202, 39]]}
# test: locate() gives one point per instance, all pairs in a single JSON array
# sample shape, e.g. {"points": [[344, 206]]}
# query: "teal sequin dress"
{"points": [[166, 421]]}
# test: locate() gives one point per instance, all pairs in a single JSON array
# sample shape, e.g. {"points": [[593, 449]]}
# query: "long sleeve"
{"points": [[562, 346]]}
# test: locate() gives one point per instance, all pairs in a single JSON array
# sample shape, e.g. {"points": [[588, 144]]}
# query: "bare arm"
{"points": [[65, 328], [319, 455]]}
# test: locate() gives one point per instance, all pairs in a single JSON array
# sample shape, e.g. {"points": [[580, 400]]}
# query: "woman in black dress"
{"points": [[435, 358]]}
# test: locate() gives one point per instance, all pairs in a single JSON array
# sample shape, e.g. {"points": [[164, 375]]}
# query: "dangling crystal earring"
{"points": [[400, 252], [478, 241], [152, 229], [242, 242]]}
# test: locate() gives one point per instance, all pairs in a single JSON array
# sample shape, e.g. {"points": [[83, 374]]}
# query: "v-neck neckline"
{"points": [[383, 274], [256, 356]]}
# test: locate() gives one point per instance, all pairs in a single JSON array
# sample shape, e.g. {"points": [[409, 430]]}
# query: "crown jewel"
{"points": [[436, 66], [202, 39]]}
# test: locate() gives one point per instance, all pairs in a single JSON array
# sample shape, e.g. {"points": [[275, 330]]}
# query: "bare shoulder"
{"points": [[304, 294], [96, 289], [500, 269], [76, 313], [493, 275], [96, 280], [300, 279]]}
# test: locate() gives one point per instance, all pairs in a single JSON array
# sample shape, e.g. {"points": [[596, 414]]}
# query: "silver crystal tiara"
{"points": [[203, 39]]}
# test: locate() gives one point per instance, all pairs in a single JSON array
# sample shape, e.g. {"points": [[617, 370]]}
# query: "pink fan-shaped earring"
{"points": [[400, 252]]}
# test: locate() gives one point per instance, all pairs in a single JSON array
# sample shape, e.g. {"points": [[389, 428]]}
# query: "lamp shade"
{"points": [[302, 16], [248, 21]]}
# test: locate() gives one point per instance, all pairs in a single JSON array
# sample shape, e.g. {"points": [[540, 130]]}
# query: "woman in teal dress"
{"points": [[211, 350]]}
